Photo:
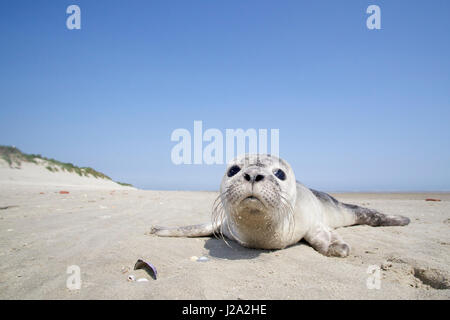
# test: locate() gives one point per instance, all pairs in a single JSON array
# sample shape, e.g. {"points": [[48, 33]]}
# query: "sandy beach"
{"points": [[114, 112], [103, 229]]}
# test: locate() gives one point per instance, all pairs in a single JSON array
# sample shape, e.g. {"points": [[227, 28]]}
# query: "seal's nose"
{"points": [[253, 177]]}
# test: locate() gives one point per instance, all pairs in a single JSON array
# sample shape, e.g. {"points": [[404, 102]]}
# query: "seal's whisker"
{"points": [[218, 215], [289, 213], [232, 234]]}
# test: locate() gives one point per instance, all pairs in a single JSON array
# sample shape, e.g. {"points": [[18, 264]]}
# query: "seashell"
{"points": [[131, 278], [202, 259], [148, 267]]}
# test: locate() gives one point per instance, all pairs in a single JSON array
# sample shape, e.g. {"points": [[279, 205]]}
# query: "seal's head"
{"points": [[257, 193]]}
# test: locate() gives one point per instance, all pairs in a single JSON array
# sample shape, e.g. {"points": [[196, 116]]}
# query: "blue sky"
{"points": [[357, 109]]}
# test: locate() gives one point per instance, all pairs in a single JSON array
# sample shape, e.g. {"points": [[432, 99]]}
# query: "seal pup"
{"points": [[262, 205]]}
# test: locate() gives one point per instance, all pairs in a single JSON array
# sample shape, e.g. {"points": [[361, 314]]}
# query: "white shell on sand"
{"points": [[203, 259]]}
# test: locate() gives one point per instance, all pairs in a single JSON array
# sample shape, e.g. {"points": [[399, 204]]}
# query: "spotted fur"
{"points": [[260, 210]]}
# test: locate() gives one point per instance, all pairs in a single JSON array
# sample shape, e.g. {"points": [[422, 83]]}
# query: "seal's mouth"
{"points": [[252, 201]]}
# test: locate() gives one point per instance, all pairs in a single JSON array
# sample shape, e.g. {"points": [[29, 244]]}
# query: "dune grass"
{"points": [[124, 184], [13, 156]]}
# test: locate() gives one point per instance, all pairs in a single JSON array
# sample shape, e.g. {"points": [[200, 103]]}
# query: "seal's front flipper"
{"points": [[198, 230], [327, 242]]}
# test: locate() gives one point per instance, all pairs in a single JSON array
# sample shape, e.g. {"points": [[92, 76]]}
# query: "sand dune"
{"points": [[37, 174]]}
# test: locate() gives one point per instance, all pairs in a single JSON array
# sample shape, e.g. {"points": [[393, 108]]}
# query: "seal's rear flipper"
{"points": [[353, 214], [374, 218], [198, 230]]}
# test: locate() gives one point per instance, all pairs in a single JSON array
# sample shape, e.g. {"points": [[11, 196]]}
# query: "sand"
{"points": [[103, 230]]}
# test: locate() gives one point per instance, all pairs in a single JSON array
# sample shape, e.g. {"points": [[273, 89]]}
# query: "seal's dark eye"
{"points": [[279, 174], [233, 170]]}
